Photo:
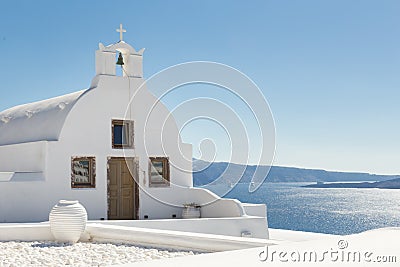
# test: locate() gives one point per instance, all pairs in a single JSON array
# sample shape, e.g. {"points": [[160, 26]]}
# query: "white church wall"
{"points": [[186, 165], [135, 64], [25, 157], [25, 196], [92, 115], [101, 63], [22, 202], [152, 206], [60, 173]]}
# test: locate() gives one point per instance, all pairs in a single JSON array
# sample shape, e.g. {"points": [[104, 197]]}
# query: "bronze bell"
{"points": [[120, 60]]}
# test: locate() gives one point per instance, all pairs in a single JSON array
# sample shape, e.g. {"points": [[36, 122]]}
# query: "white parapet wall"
{"points": [[255, 209], [250, 226], [159, 203], [25, 232], [172, 239], [137, 235]]}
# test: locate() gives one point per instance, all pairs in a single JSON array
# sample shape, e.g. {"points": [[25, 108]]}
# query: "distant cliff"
{"points": [[388, 184], [205, 173]]}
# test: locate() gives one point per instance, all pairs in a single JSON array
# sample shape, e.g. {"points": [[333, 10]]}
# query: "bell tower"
{"points": [[132, 60]]}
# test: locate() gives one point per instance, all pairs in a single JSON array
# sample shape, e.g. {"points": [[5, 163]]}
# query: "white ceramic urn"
{"points": [[67, 221]]}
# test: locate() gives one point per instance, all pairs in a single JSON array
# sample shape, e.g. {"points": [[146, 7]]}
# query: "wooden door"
{"points": [[123, 192]]}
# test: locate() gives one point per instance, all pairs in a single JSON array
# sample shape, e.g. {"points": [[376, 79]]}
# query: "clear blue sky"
{"points": [[329, 69]]}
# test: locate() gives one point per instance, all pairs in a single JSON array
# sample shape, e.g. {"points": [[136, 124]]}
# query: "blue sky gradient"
{"points": [[330, 70]]}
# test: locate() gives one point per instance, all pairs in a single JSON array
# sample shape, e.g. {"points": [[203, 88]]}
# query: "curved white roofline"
{"points": [[37, 121], [121, 46]]}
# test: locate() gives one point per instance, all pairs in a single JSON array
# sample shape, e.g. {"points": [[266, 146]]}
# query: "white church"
{"points": [[89, 146]]}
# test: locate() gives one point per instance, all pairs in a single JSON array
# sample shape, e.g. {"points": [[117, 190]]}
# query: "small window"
{"points": [[122, 134], [83, 172], [159, 172]]}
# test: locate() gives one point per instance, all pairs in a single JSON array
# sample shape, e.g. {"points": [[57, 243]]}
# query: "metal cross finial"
{"points": [[120, 30]]}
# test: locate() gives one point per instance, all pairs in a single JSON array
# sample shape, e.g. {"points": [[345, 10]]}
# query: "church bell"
{"points": [[120, 60]]}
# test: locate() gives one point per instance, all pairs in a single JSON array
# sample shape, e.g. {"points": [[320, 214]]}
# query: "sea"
{"points": [[339, 211]]}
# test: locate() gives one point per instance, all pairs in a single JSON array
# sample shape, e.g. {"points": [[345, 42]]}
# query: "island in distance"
{"points": [[388, 184], [205, 172]]}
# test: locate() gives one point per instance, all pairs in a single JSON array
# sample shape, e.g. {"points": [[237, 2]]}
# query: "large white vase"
{"points": [[67, 221]]}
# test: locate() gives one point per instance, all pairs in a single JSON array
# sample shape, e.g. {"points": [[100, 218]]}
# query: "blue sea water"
{"points": [[323, 210]]}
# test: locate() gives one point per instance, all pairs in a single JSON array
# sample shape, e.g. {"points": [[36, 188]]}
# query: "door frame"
{"points": [[133, 173]]}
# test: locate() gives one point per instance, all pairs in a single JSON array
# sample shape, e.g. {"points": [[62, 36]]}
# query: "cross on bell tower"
{"points": [[121, 31]]}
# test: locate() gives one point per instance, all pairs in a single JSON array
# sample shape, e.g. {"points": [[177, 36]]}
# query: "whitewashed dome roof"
{"points": [[38, 121]]}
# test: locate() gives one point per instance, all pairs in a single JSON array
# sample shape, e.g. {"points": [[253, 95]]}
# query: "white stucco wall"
{"points": [[87, 132], [25, 157], [92, 115]]}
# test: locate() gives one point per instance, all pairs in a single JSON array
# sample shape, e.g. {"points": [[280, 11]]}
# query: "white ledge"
{"points": [[6, 176], [21, 176]]}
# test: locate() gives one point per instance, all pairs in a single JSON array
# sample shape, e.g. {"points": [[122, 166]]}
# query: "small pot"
{"points": [[191, 212]]}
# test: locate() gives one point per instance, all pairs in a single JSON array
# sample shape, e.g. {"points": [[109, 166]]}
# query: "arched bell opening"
{"points": [[119, 59], [121, 62]]}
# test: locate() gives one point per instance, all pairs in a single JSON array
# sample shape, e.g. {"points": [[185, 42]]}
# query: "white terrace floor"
{"points": [[285, 248], [372, 248]]}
